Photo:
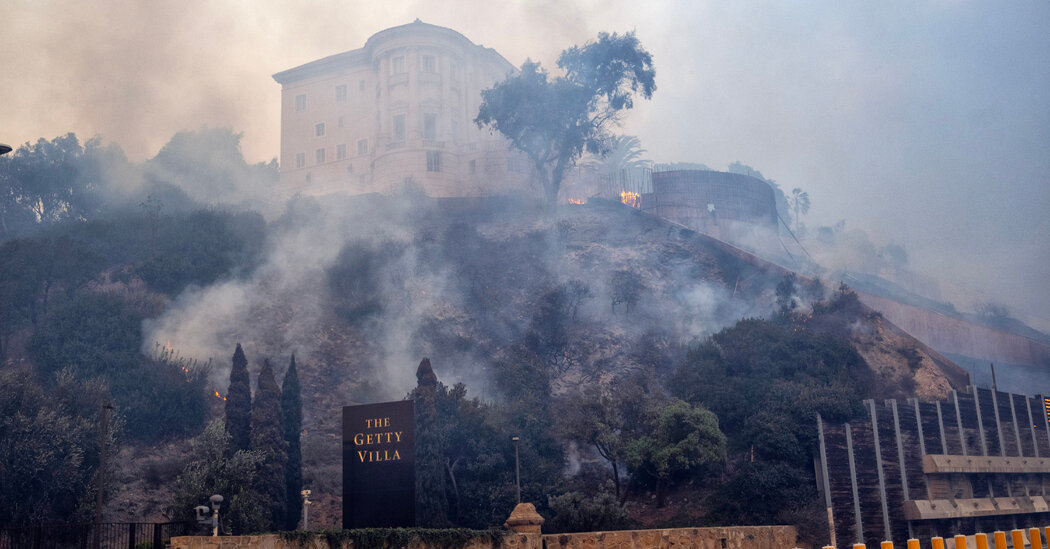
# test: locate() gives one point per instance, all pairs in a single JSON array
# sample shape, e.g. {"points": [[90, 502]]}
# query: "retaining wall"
{"points": [[730, 537]]}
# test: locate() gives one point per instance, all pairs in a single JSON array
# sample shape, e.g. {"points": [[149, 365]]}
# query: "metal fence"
{"points": [[112, 535]]}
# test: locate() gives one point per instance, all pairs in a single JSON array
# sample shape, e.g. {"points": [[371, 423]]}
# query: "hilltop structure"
{"points": [[398, 112]]}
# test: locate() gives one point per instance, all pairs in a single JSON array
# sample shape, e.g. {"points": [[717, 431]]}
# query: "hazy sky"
{"points": [[923, 123]]}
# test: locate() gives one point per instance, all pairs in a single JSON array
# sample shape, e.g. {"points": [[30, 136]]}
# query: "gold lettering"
{"points": [[386, 422], [359, 438], [398, 435], [361, 455], [397, 456]]}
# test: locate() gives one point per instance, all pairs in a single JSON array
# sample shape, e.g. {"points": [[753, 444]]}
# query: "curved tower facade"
{"points": [[398, 112]]}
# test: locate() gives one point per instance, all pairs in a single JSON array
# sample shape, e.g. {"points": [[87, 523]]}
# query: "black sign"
{"points": [[379, 475]]}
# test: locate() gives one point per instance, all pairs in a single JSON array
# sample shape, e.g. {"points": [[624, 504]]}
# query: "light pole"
{"points": [[103, 438], [306, 509], [517, 467], [216, 501]]}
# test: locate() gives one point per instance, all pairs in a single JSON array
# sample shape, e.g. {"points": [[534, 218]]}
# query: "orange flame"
{"points": [[217, 395], [633, 200], [575, 201]]}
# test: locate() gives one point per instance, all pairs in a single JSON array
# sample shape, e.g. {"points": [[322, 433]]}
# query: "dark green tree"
{"points": [[239, 403], [215, 468], [48, 447], [553, 121], [680, 439], [292, 424], [268, 440], [430, 471]]}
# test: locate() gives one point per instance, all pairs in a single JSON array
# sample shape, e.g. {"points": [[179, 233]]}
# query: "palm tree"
{"points": [[623, 152], [799, 201]]}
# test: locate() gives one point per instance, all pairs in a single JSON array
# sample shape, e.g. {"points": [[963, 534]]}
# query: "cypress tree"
{"points": [[292, 424], [430, 472], [268, 439], [239, 403]]}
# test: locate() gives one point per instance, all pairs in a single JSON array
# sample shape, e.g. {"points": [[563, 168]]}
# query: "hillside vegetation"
{"points": [[654, 376]]}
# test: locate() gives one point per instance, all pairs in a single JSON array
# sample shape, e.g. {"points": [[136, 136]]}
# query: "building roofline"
{"points": [[362, 56]]}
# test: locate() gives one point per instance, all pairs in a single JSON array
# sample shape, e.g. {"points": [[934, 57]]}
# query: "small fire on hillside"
{"points": [[576, 201], [632, 199], [217, 395]]}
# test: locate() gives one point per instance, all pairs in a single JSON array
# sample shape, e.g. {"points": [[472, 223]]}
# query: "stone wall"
{"points": [[274, 541], [731, 537]]}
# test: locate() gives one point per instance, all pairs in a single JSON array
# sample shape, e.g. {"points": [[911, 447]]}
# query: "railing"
{"points": [[1019, 539], [111, 535]]}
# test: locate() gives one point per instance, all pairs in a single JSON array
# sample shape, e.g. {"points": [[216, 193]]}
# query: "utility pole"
{"points": [[517, 467], [103, 438]]}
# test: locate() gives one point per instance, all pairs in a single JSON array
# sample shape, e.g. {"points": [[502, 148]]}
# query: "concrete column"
{"points": [[853, 483]]}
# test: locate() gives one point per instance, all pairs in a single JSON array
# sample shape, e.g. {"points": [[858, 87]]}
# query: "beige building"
{"points": [[400, 109]]}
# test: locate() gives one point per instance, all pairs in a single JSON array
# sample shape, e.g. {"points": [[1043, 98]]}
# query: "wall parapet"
{"points": [[728, 537]]}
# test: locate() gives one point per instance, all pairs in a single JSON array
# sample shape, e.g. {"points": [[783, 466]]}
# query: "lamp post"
{"points": [[517, 467], [216, 501], [306, 509]]}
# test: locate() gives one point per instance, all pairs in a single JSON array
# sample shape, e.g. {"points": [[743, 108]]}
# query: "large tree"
{"points": [[430, 473], [554, 120], [268, 440], [292, 424], [239, 403]]}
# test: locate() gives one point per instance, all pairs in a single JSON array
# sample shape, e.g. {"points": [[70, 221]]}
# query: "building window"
{"points": [[473, 166], [300, 102], [340, 151], [340, 92], [513, 164], [361, 85], [429, 63], [320, 156], [319, 130], [340, 121], [399, 127], [454, 126], [430, 126], [433, 161], [300, 160], [397, 65], [452, 69], [362, 146]]}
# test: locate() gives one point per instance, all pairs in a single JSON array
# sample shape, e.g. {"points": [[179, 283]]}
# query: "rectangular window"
{"points": [[362, 146], [430, 126], [300, 160], [340, 121], [433, 161], [340, 92], [319, 130], [513, 164], [361, 85], [452, 69], [340, 151], [473, 166], [320, 156], [397, 65], [429, 63], [399, 127], [300, 102]]}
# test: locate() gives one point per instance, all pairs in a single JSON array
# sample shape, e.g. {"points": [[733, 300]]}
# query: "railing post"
{"points": [[1034, 539], [913, 543], [981, 540], [937, 542], [1000, 539], [960, 541], [1018, 538], [886, 545]]}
